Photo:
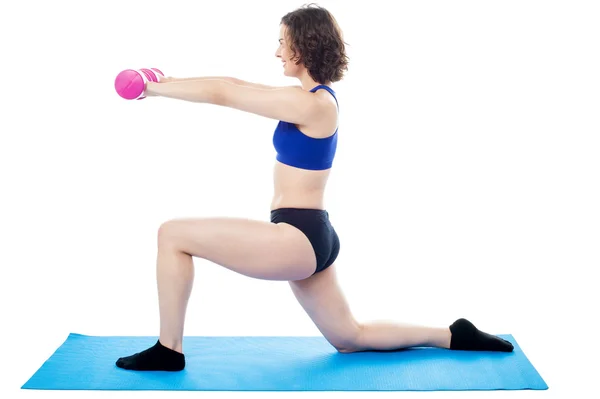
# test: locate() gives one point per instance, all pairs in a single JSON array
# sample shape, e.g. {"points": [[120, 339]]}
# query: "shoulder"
{"points": [[327, 102], [321, 102], [325, 118], [325, 98]]}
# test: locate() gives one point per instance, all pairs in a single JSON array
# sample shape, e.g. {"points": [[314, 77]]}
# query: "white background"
{"points": [[466, 182]]}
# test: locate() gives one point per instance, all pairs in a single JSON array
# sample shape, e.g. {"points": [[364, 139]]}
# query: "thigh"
{"points": [[253, 248], [323, 300]]}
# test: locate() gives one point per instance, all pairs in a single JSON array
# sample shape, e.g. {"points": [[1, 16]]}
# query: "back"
{"points": [[294, 148], [301, 175]]}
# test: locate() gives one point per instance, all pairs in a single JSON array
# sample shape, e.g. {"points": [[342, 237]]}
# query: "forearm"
{"points": [[227, 78], [199, 90]]}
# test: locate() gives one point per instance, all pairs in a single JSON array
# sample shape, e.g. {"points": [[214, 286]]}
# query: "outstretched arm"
{"points": [[227, 78], [291, 104]]}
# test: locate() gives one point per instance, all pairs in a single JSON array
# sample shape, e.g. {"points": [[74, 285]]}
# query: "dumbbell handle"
{"points": [[131, 83], [150, 75]]}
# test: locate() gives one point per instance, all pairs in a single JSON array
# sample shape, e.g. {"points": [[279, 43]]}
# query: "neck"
{"points": [[308, 83]]}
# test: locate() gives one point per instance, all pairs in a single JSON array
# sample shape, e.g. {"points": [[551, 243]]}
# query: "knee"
{"points": [[167, 232], [345, 350], [352, 342]]}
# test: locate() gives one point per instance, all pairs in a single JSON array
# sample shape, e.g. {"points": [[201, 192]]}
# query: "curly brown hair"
{"points": [[316, 41]]}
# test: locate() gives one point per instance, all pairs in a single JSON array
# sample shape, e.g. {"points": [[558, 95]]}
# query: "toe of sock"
{"points": [[121, 362], [499, 344], [508, 347]]}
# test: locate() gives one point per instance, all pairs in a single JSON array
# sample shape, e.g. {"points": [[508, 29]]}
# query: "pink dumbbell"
{"points": [[131, 83]]}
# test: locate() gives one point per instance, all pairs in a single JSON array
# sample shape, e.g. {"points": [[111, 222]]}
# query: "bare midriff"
{"points": [[298, 188]]}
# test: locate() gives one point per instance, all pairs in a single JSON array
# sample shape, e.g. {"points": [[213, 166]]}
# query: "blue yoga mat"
{"points": [[260, 363]]}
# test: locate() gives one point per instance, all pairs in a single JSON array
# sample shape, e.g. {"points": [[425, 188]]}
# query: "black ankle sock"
{"points": [[156, 358], [465, 336]]}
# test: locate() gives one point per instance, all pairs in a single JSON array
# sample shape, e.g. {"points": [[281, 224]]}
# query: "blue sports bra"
{"points": [[295, 148]]}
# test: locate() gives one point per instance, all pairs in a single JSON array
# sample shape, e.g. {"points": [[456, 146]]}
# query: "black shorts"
{"points": [[314, 223]]}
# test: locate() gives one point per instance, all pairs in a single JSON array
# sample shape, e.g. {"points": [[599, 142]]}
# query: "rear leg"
{"points": [[323, 300]]}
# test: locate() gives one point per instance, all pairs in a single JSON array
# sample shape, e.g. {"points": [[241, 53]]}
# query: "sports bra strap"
{"points": [[329, 89]]}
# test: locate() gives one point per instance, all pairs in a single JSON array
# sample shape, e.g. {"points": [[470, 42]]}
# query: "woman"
{"points": [[299, 244]]}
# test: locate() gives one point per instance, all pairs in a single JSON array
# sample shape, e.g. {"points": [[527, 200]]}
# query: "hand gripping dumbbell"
{"points": [[131, 83]]}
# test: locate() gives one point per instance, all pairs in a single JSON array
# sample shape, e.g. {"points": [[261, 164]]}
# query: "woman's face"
{"points": [[285, 53]]}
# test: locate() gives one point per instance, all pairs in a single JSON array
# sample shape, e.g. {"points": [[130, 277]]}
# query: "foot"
{"points": [[465, 336], [156, 358]]}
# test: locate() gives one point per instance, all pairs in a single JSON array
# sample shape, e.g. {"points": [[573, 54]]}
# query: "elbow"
{"points": [[216, 96], [219, 92]]}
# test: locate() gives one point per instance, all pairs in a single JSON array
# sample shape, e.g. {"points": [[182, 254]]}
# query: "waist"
{"points": [[302, 210], [301, 215], [298, 201], [298, 188]]}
